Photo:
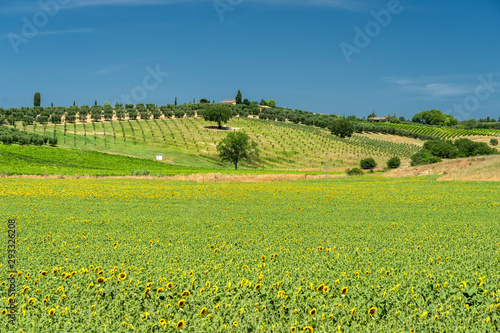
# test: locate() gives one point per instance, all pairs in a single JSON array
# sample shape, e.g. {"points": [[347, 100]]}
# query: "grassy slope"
{"points": [[21, 160], [485, 168], [187, 142]]}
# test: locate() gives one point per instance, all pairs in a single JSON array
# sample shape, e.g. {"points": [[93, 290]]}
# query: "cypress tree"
{"points": [[37, 99], [238, 97]]}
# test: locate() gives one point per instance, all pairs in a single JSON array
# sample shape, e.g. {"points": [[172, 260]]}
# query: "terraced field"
{"points": [[444, 133]]}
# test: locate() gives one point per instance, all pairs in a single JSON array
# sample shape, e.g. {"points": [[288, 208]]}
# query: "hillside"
{"points": [[483, 168], [188, 142]]}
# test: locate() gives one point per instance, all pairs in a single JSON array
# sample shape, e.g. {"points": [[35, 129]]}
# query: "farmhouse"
{"points": [[229, 101], [379, 119], [264, 107]]}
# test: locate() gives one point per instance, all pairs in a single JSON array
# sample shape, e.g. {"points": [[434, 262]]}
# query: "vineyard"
{"points": [[186, 141], [350, 255], [443, 132]]}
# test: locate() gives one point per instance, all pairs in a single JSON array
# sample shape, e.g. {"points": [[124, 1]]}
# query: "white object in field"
{"points": [[159, 157]]}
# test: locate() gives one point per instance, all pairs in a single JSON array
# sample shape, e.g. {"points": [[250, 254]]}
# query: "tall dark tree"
{"points": [[37, 99], [175, 103], [238, 97]]}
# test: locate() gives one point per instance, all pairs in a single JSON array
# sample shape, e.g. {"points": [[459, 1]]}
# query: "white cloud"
{"points": [[351, 5], [436, 86], [58, 32]]}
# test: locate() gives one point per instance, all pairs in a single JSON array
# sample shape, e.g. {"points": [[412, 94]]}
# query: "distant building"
{"points": [[264, 107], [229, 101], [379, 119]]}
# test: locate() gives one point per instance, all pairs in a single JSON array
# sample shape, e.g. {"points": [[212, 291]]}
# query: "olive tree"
{"points": [[218, 113], [237, 146], [342, 128]]}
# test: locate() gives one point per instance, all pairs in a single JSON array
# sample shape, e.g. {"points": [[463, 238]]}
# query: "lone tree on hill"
{"points": [[37, 99], [238, 97], [342, 128], [237, 146], [218, 113]]}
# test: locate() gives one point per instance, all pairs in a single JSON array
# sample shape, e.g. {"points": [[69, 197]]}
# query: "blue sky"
{"points": [[326, 56]]}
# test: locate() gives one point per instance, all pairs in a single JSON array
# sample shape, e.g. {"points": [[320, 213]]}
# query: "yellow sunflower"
{"points": [[180, 324], [372, 311]]}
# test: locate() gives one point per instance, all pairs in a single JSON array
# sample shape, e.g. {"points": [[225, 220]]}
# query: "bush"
{"points": [[494, 142], [368, 163], [394, 162], [467, 147], [354, 172], [424, 157], [443, 149], [144, 172], [53, 141]]}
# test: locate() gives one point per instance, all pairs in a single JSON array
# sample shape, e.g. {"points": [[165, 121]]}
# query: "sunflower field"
{"points": [[369, 254]]}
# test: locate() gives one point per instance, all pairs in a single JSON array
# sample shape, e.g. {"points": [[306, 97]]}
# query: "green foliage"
{"points": [[238, 97], [14, 135], [368, 163], [37, 99], [342, 128], [443, 149], [394, 162], [355, 172], [467, 147], [271, 103], [424, 157], [460, 148], [142, 172], [108, 111], [218, 113], [204, 101], [494, 142], [237, 146], [434, 117], [53, 141]]}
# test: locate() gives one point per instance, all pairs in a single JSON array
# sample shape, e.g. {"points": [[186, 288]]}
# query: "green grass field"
{"points": [[140, 255]]}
